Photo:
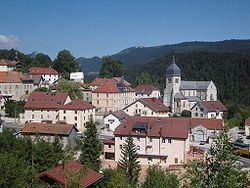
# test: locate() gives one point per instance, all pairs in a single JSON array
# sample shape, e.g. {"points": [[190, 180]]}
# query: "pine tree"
{"points": [[129, 163], [91, 147]]}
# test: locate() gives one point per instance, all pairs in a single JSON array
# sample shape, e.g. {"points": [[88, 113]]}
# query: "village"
{"points": [[168, 128]]}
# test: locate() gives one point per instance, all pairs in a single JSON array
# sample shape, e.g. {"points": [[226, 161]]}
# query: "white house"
{"points": [[147, 107], [49, 75], [113, 119], [208, 109], [147, 91], [77, 77]]}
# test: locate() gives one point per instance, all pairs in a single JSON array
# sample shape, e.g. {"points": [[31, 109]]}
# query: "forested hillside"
{"points": [[140, 55], [229, 71]]}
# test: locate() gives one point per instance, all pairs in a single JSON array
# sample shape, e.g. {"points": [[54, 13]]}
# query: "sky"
{"points": [[90, 28]]}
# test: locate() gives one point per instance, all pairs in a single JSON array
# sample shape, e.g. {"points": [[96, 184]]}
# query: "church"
{"points": [[182, 95]]}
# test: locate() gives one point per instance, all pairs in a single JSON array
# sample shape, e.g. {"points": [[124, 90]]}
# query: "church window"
{"points": [[169, 80], [201, 114], [176, 80], [196, 114]]}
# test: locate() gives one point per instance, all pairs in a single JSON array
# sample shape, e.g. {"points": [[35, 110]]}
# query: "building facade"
{"points": [[147, 107], [147, 91], [49, 75]]}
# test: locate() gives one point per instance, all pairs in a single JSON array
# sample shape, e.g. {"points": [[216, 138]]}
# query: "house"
{"points": [[44, 106], [77, 77], [147, 91], [112, 96], [160, 141], [38, 80], [14, 84], [147, 107], [113, 119], [7, 65], [208, 109], [177, 91], [57, 175], [108, 155], [247, 126], [49, 75], [203, 130], [48, 131], [77, 112]]}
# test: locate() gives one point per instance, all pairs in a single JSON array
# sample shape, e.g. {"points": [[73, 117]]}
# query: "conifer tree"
{"points": [[91, 147], [129, 163]]}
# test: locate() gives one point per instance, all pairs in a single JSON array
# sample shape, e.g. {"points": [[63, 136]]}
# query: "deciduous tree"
{"points": [[71, 88], [111, 67]]}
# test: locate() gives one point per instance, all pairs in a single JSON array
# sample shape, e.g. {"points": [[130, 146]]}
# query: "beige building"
{"points": [[14, 85], [86, 92], [44, 106], [77, 112], [112, 96], [208, 109], [147, 107], [7, 65], [160, 141], [65, 132]]}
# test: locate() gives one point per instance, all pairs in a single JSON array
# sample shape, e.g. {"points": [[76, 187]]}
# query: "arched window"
{"points": [[201, 115], [211, 97], [199, 136]]}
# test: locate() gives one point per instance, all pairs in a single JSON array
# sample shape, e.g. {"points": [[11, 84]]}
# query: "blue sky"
{"points": [[104, 27]]}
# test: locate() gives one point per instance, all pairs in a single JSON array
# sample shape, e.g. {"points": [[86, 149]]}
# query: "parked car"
{"points": [[247, 137]]}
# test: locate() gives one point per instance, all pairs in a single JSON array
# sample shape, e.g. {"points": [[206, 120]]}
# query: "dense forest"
{"points": [[229, 71]]}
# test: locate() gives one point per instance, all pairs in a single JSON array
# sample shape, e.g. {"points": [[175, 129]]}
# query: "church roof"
{"points": [[195, 85], [179, 96], [173, 69]]}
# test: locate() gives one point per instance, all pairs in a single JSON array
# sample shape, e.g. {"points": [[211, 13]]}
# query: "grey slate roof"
{"points": [[179, 96], [173, 69], [193, 99], [194, 85], [120, 114]]}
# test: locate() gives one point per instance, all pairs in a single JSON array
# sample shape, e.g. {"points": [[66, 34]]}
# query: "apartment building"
{"points": [[160, 141], [112, 96], [14, 84], [44, 106], [77, 112], [147, 107]]}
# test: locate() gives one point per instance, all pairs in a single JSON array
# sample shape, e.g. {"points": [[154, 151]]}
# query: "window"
{"points": [[120, 146], [150, 159], [176, 80], [64, 111], [163, 140], [169, 141], [138, 148], [107, 126], [169, 80], [97, 102], [64, 117], [196, 114], [75, 118], [109, 146], [41, 116], [120, 137], [107, 95], [98, 95], [32, 116], [150, 139], [201, 114], [175, 160], [138, 138], [75, 112]]}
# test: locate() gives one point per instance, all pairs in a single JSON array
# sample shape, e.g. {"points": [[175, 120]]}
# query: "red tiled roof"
{"points": [[110, 141], [47, 128], [247, 122], [57, 174], [77, 104], [99, 81], [164, 127], [7, 62], [13, 77], [111, 87], [212, 106], [155, 104], [208, 123], [39, 70], [46, 100], [147, 89]]}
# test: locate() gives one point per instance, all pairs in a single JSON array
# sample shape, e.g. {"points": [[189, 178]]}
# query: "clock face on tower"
{"points": [[169, 80]]}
